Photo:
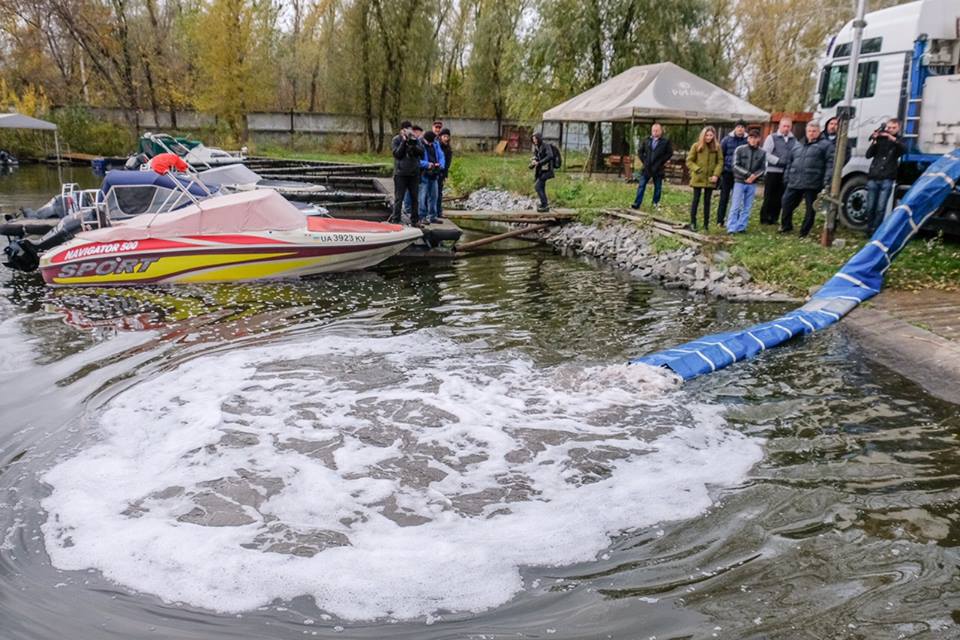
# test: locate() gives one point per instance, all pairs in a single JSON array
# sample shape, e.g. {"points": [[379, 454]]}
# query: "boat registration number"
{"points": [[336, 238]]}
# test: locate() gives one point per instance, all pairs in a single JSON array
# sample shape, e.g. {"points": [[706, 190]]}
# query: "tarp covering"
{"points": [[859, 279], [661, 91], [261, 210], [20, 121], [231, 174]]}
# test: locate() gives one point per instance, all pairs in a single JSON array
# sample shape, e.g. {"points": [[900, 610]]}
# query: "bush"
{"points": [[80, 131]]}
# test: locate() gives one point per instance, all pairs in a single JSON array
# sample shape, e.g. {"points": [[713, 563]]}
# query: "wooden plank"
{"points": [[669, 227], [510, 216], [467, 246], [633, 214]]}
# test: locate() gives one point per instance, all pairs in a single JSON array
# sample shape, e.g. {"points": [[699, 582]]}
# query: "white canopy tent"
{"points": [[663, 92], [20, 121]]}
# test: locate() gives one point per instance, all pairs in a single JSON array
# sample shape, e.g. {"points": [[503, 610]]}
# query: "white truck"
{"points": [[909, 69]]}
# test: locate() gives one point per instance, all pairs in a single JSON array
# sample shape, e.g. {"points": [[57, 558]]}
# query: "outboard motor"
{"points": [[135, 161], [24, 254]]}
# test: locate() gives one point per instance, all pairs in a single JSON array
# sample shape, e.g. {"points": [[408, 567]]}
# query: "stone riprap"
{"points": [[496, 200], [631, 248]]}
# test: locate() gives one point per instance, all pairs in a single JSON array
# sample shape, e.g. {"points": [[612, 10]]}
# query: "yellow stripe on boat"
{"points": [[252, 271], [171, 264]]}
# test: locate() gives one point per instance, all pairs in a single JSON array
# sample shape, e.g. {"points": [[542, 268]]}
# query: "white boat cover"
{"points": [[662, 91], [231, 174], [248, 211]]}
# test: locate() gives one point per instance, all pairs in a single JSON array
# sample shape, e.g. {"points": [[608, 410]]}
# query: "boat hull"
{"points": [[218, 258]]}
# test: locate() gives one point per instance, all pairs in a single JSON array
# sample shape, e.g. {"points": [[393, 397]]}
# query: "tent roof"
{"points": [[663, 91], [19, 121]]}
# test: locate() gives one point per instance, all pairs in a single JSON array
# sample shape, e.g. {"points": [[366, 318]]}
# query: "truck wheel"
{"points": [[853, 195]]}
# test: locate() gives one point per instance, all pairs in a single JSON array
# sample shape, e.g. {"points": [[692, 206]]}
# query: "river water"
{"points": [[454, 451]]}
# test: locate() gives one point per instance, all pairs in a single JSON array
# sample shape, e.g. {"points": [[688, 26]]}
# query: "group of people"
{"points": [[792, 170], [421, 164]]}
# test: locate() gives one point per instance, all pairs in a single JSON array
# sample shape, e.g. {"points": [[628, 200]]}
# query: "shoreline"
{"points": [[927, 359], [635, 250]]}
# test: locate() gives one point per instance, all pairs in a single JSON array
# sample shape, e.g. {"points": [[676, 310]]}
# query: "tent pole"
{"points": [[593, 141], [56, 144], [561, 141]]}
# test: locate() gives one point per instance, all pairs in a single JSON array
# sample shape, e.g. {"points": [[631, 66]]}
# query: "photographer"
{"points": [[407, 154], [885, 149], [542, 164]]}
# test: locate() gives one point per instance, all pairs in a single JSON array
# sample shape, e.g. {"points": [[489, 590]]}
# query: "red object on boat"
{"points": [[162, 163]]}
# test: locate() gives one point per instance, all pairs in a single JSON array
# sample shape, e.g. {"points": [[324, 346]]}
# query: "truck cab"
{"points": [[908, 69]]}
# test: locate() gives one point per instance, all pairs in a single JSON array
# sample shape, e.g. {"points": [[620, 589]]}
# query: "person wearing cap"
{"points": [[407, 154], [809, 172], [749, 163], [447, 161], [431, 166], [728, 145], [437, 127], [417, 131]]}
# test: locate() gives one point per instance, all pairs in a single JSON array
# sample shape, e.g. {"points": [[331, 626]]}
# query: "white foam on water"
{"points": [[18, 352], [400, 476]]}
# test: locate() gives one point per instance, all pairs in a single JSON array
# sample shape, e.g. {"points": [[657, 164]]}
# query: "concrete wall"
{"points": [[321, 129], [186, 120]]}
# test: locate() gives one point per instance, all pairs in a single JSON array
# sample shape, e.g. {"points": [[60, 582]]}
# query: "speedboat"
{"points": [[166, 233], [194, 152]]}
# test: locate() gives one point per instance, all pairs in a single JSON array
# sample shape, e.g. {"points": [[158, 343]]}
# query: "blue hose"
{"points": [[858, 280]]}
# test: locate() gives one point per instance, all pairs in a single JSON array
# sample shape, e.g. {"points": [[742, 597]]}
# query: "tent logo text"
{"points": [[685, 89]]}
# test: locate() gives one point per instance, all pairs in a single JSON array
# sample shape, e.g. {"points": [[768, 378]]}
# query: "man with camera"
{"points": [[431, 166], [407, 154], [885, 149]]}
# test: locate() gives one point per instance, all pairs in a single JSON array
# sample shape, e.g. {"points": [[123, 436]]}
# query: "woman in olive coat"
{"points": [[705, 163]]}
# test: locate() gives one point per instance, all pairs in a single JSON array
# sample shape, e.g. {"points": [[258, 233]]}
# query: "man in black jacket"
{"points": [[542, 165], [885, 149], [407, 152], [655, 152], [809, 172]]}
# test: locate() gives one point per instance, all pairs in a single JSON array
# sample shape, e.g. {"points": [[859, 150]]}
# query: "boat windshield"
{"points": [[126, 201]]}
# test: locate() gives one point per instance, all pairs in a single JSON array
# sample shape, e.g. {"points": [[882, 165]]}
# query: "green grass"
{"points": [[662, 244], [783, 262]]}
